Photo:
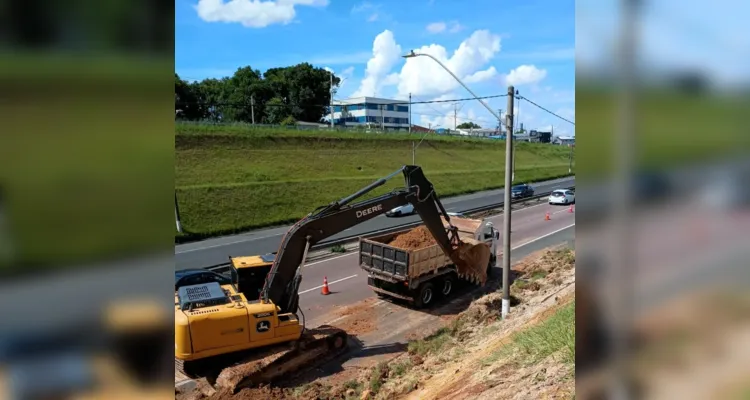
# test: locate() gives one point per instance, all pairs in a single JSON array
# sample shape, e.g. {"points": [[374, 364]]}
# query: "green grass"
{"points": [[555, 335], [87, 160], [673, 128], [431, 344], [241, 178]]}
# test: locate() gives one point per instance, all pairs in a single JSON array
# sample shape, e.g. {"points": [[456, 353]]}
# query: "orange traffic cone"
{"points": [[570, 210], [546, 216], [325, 290]]}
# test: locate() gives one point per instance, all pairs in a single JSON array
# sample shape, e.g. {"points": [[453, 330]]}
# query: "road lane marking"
{"points": [[541, 237], [226, 244], [330, 283], [331, 259]]}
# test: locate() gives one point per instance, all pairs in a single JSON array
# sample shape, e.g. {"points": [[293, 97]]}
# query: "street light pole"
{"points": [[177, 214], [508, 176], [506, 205], [412, 54]]}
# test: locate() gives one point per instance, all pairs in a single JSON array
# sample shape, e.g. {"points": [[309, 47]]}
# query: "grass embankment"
{"points": [[235, 178], [673, 128]]}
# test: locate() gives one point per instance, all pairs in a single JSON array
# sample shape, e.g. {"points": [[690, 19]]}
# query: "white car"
{"points": [[562, 196], [406, 209]]}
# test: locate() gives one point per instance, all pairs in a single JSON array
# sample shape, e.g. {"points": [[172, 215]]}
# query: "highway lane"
{"points": [[348, 282], [217, 250]]}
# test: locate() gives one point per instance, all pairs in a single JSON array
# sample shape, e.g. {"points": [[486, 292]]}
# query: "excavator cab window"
{"points": [[250, 281]]}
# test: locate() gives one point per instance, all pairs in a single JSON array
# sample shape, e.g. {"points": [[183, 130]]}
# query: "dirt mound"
{"points": [[417, 238]]}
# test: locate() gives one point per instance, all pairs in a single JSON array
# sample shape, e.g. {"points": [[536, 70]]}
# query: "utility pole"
{"points": [[506, 204], [331, 101], [409, 112], [252, 108], [413, 153], [382, 119], [177, 214], [455, 112], [570, 159]]}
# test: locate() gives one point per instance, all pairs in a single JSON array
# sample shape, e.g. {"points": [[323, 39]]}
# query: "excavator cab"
{"points": [[249, 274]]}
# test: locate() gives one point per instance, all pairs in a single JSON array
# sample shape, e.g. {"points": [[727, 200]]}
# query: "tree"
{"points": [[468, 125], [187, 104], [301, 92]]}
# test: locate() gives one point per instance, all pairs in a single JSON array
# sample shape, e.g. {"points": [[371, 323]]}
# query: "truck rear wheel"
{"points": [[447, 286], [425, 295]]}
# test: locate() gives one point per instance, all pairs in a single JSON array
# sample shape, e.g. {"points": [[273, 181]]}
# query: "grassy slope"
{"points": [[235, 178], [672, 128]]}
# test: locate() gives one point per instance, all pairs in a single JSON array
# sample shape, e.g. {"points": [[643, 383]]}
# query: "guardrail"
{"points": [[347, 239]]}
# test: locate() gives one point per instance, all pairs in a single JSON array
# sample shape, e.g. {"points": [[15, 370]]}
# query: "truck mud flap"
{"points": [[391, 294]]}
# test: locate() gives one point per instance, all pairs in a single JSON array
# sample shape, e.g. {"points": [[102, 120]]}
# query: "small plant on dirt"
{"points": [[554, 335], [338, 249], [431, 344], [539, 275], [400, 368], [378, 377]]}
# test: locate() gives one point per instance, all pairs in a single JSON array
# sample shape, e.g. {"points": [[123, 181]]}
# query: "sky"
{"points": [[488, 44]]}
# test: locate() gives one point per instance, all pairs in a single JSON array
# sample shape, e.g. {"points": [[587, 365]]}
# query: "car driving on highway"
{"points": [[562, 196], [521, 191], [198, 276], [399, 211]]}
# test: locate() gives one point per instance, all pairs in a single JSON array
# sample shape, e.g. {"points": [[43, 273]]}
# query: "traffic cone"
{"points": [[570, 210], [546, 216], [325, 290]]}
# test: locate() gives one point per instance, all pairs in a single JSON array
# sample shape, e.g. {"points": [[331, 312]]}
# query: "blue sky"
{"points": [[488, 43]]}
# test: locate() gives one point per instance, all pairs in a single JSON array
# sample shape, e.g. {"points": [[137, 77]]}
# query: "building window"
{"points": [[389, 107], [371, 106], [402, 108]]}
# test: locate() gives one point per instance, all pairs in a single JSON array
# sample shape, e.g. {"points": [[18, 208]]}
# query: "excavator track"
{"points": [[234, 372]]}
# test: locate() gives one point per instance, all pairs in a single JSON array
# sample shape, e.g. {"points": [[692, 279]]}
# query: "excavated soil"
{"points": [[415, 239]]}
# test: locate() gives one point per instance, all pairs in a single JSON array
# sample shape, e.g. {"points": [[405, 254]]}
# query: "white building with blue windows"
{"points": [[372, 111]]}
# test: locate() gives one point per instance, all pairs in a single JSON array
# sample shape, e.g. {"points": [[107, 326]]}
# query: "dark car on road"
{"points": [[521, 191], [188, 277]]}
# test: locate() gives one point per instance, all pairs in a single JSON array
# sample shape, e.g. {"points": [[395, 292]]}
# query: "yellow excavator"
{"points": [[248, 332]]}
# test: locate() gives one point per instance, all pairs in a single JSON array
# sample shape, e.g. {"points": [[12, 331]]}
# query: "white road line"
{"points": [[331, 259], [541, 237], [330, 283], [225, 244]]}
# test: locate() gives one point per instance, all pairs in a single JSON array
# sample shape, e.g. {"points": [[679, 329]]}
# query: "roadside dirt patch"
{"points": [[359, 324], [362, 307], [415, 239]]}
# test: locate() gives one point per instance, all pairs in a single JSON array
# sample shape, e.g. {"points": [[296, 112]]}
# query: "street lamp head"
{"points": [[410, 55]]}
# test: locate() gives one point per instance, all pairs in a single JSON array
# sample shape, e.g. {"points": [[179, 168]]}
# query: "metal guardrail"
{"points": [[347, 239]]}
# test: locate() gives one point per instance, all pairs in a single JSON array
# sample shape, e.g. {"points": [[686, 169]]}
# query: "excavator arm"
{"points": [[283, 280]]}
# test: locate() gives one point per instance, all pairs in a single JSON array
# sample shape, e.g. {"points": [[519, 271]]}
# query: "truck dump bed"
{"points": [[378, 257]]}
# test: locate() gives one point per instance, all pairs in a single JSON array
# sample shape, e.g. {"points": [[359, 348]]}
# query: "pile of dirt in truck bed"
{"points": [[417, 238]]}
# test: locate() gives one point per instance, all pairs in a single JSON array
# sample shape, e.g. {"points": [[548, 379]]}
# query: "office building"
{"points": [[371, 111]]}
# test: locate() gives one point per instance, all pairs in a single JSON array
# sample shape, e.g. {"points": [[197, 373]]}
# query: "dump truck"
{"points": [[421, 275], [249, 332]]}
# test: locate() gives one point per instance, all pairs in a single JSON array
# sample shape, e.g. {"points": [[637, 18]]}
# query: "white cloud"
{"points": [[455, 27], [252, 13], [439, 27], [524, 75], [373, 17], [385, 54], [436, 27], [329, 69], [481, 76], [424, 77]]}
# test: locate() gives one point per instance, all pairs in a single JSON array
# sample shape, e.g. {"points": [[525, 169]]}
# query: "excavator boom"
{"points": [[282, 284]]}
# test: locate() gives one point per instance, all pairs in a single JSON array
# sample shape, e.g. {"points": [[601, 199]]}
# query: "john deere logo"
{"points": [[263, 326]]}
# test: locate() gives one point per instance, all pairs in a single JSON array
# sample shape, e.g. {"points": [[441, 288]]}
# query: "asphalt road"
{"points": [[348, 282], [215, 251]]}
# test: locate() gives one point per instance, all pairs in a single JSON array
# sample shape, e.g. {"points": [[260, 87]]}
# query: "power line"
{"points": [[544, 109]]}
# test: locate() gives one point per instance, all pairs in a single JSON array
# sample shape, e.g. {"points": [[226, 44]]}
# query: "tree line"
{"points": [[278, 96]]}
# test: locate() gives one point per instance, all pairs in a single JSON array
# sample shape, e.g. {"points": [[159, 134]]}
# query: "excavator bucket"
{"points": [[472, 260]]}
